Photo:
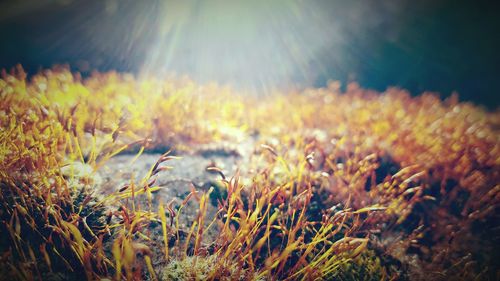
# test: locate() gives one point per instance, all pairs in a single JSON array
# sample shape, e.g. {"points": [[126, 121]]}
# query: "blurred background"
{"points": [[258, 45]]}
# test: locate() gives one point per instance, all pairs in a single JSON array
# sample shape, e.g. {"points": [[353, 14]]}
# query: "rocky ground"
{"points": [[186, 173]]}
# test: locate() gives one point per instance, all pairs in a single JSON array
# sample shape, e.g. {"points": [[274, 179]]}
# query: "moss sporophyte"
{"points": [[358, 185]]}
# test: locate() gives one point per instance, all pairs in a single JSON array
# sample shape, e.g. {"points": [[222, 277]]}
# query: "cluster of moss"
{"points": [[353, 186]]}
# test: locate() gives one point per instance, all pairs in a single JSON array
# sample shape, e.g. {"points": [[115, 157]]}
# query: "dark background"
{"points": [[439, 45]]}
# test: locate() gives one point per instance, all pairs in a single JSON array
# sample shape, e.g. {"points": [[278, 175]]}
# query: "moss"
{"points": [[36, 238], [201, 268], [327, 191], [368, 267]]}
